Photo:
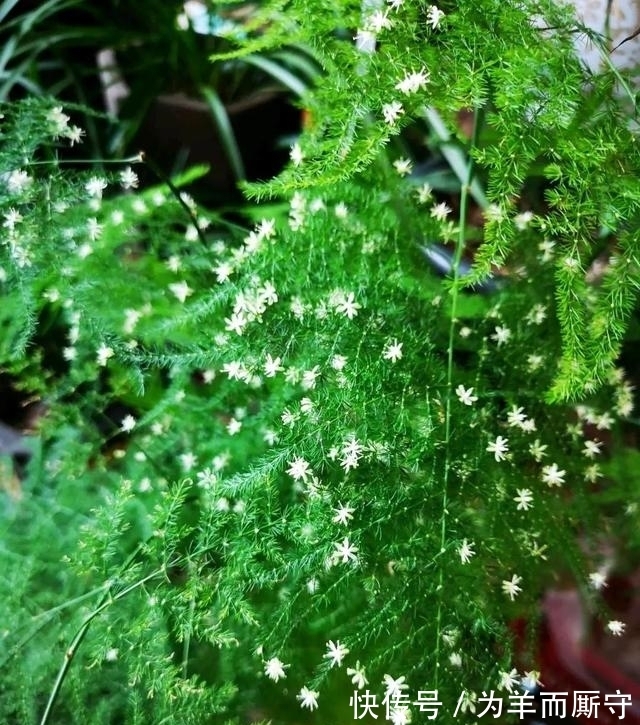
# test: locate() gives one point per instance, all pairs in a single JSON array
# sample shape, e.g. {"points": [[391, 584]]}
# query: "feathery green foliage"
{"points": [[293, 463]]}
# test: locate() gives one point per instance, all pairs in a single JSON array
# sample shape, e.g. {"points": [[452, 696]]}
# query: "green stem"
{"points": [[176, 192], [49, 162], [455, 288], [106, 601]]}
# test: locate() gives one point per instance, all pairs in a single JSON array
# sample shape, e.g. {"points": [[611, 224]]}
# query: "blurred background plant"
{"points": [[147, 65]]}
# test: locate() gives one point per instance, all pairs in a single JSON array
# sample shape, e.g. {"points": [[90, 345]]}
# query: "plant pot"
{"points": [[179, 131]]}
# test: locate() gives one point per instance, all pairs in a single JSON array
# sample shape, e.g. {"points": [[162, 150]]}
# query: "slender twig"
{"points": [[49, 162], [105, 602], [455, 290], [176, 192]]}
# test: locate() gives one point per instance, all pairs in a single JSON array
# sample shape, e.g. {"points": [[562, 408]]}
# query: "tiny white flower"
{"points": [[299, 469], [309, 377], [236, 323], [338, 362], [501, 335], [111, 655], [537, 450], [347, 306], [336, 652], [592, 473], [403, 166], [128, 424], [129, 178], [534, 362], [308, 698], [274, 669], [523, 220], [413, 82], [616, 627], [104, 354], [604, 421], [393, 351], [455, 658], [394, 687], [95, 186], [74, 134], [511, 586], [94, 229], [18, 181], [509, 680], [391, 112], [424, 193], [357, 675], [345, 551], [343, 514], [340, 210], [180, 290], [516, 417], [223, 271], [591, 448], [552, 475], [272, 366], [531, 679], [440, 211], [465, 552], [434, 16], [234, 426], [523, 499], [296, 155], [465, 395], [598, 579], [499, 448], [188, 461], [379, 21]]}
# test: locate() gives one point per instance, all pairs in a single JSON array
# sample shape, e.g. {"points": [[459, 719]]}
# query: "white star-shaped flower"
{"points": [[357, 675], [393, 351], [413, 82], [501, 335], [272, 366], [345, 552], [379, 21], [552, 475], [434, 16], [465, 552], [296, 154], [343, 514], [394, 687], [128, 424], [336, 652], [274, 669], [299, 469], [391, 112], [511, 586], [499, 448], [403, 166], [591, 448], [348, 306], [440, 211], [465, 395], [509, 680], [598, 579], [616, 627], [523, 499], [308, 698], [180, 290]]}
